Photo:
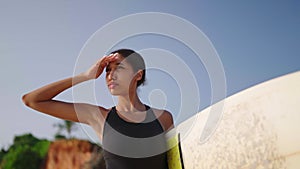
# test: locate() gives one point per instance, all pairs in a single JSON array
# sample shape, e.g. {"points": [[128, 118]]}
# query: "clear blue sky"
{"points": [[40, 42]]}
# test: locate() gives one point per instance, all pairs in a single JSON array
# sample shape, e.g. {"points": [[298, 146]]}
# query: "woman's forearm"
{"points": [[49, 91]]}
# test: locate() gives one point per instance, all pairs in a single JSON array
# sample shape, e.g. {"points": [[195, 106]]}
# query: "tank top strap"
{"points": [[111, 114], [150, 116]]}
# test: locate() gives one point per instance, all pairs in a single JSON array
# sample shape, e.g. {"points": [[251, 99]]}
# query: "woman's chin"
{"points": [[114, 92]]}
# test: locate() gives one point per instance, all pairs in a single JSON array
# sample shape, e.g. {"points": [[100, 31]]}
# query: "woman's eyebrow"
{"points": [[108, 67], [120, 63]]}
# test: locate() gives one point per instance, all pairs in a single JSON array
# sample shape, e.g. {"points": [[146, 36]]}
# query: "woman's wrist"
{"points": [[80, 78]]}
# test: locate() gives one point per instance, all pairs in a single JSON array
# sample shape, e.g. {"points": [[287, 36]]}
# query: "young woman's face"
{"points": [[120, 77]]}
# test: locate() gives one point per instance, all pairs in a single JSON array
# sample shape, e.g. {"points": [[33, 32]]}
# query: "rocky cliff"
{"points": [[74, 154]]}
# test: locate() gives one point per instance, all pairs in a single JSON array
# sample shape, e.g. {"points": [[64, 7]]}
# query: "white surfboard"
{"points": [[259, 129]]}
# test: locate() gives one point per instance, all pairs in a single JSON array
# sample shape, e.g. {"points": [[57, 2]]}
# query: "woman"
{"points": [[130, 118]]}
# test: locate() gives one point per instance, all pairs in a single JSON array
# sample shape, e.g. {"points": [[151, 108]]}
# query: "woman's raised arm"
{"points": [[42, 99]]}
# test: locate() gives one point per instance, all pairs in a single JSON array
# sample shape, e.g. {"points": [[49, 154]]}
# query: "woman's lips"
{"points": [[112, 85]]}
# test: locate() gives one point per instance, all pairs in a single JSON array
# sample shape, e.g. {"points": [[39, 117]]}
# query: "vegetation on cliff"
{"points": [[65, 151], [27, 151]]}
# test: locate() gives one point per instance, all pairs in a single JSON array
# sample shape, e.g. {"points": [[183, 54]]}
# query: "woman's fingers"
{"points": [[96, 70], [107, 59]]}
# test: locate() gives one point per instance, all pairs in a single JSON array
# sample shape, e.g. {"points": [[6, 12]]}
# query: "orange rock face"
{"points": [[74, 154]]}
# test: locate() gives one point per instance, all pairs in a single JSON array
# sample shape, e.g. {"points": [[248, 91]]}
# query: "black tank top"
{"points": [[128, 145]]}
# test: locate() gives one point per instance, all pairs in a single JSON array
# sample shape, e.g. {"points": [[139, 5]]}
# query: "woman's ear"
{"points": [[139, 75]]}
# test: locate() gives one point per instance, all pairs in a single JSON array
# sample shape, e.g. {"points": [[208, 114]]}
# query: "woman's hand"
{"points": [[96, 70]]}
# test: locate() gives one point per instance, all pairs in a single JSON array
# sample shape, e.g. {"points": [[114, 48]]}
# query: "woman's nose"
{"points": [[112, 75]]}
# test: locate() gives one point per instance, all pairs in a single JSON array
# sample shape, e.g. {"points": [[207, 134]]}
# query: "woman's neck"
{"points": [[130, 104]]}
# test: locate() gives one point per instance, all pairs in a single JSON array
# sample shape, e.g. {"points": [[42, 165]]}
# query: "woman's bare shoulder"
{"points": [[165, 118]]}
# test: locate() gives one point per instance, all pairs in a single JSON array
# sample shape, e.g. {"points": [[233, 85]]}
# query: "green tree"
{"points": [[20, 157], [26, 152], [67, 126], [2, 154]]}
